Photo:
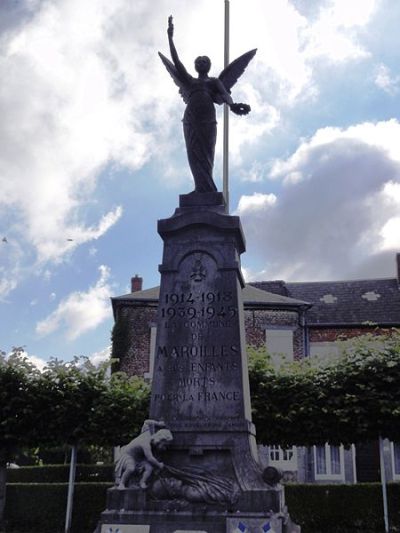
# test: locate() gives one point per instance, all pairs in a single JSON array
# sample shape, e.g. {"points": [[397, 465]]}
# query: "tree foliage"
{"points": [[17, 403], [17, 411], [353, 398], [121, 410], [67, 403], [120, 339]]}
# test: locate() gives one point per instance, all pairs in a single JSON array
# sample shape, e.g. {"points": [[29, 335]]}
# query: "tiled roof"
{"points": [[345, 302], [251, 296], [146, 295], [333, 302]]}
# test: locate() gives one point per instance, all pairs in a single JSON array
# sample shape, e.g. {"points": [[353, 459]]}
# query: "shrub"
{"points": [[40, 507], [342, 508], [60, 473]]}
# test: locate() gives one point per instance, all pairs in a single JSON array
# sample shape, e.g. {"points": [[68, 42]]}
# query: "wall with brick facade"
{"points": [[133, 329], [134, 320], [256, 321], [332, 334], [131, 338], [132, 332]]}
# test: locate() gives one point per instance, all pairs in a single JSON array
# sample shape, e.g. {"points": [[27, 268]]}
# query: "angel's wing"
{"points": [[230, 75], [180, 81]]}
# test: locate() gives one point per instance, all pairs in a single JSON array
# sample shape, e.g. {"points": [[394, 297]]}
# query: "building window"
{"points": [[395, 449], [274, 453], [324, 349], [285, 458], [329, 462], [335, 460], [320, 460], [279, 342]]}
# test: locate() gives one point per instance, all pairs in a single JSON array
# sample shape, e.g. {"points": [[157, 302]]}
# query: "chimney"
{"points": [[398, 267], [136, 283]]}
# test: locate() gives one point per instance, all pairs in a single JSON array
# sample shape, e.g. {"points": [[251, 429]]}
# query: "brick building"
{"points": [[293, 320]]}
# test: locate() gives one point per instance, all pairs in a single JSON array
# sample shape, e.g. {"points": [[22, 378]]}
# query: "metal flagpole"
{"points": [[225, 178], [71, 487], [383, 483]]}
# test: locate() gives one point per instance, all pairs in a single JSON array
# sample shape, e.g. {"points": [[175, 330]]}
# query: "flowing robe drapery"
{"points": [[200, 131]]}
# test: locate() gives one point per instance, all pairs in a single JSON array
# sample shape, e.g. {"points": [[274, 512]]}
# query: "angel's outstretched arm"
{"points": [[226, 97], [238, 109], [174, 54]]}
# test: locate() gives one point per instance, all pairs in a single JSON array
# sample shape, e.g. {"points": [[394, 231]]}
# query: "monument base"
{"points": [[138, 514], [227, 524], [203, 200], [210, 479]]}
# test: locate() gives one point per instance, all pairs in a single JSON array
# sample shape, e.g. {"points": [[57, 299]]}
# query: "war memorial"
{"points": [[194, 467]]}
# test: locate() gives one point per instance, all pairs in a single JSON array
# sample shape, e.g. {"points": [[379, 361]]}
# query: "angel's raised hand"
{"points": [[170, 26]]}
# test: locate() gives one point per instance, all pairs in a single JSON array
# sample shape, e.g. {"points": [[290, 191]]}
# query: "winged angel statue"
{"points": [[200, 94]]}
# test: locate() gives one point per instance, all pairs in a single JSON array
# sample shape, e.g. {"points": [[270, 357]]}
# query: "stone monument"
{"points": [[194, 468]]}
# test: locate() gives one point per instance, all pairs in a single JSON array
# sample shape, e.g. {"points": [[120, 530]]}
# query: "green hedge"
{"points": [[60, 474], [343, 508], [40, 508]]}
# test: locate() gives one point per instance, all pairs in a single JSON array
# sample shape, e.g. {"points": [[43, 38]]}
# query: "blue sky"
{"points": [[92, 153]]}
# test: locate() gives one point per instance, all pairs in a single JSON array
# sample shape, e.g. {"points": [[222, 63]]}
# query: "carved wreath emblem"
{"points": [[199, 271]]}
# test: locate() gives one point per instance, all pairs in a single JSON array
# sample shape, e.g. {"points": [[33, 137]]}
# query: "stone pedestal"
{"points": [[200, 387]]}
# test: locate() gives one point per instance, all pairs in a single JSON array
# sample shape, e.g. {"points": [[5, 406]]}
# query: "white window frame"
{"points": [[329, 475], [278, 356], [324, 349], [281, 462], [396, 475], [354, 464]]}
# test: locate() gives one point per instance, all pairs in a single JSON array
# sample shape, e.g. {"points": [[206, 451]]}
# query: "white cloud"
{"points": [[11, 270], [291, 45], [255, 173], [392, 192], [255, 203], [80, 311], [83, 88], [277, 32], [252, 275], [100, 357], [37, 361], [54, 249], [96, 358], [249, 130], [6, 286], [340, 217], [334, 34], [390, 232], [350, 14], [33, 359], [385, 81], [69, 106], [47, 274], [381, 135]]}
